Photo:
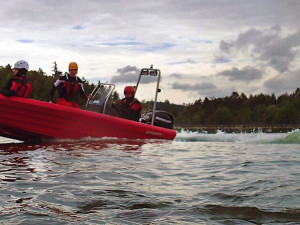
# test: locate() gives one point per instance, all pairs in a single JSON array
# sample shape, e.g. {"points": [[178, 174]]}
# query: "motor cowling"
{"points": [[162, 119]]}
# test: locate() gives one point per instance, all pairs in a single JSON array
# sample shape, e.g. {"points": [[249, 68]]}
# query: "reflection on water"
{"points": [[116, 181]]}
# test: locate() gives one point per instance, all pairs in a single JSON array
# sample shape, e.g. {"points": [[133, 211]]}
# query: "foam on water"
{"points": [[292, 137]]}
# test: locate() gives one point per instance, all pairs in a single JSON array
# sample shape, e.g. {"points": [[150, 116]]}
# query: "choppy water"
{"points": [[195, 179]]}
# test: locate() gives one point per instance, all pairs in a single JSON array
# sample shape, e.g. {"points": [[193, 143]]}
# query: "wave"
{"points": [[292, 137], [252, 214]]}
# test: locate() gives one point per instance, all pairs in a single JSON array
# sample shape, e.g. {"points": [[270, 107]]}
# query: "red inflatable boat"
{"points": [[33, 120]]}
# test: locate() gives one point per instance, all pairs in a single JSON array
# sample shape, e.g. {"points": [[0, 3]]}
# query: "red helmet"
{"points": [[129, 89]]}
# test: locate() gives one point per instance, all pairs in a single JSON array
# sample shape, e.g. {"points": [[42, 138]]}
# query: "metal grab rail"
{"points": [[151, 72], [98, 88]]}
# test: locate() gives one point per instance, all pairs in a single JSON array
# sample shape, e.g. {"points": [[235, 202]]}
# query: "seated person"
{"points": [[18, 85], [129, 107], [69, 88]]}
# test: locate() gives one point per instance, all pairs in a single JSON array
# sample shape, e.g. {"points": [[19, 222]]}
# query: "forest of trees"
{"points": [[240, 109], [234, 109]]}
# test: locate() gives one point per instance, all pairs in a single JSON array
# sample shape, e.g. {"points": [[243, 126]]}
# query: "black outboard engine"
{"points": [[162, 119]]}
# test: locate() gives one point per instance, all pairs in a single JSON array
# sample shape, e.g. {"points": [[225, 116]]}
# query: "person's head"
{"points": [[73, 69], [129, 92], [20, 67]]}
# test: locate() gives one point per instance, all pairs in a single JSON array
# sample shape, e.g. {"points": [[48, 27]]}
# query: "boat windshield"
{"points": [[102, 97]]}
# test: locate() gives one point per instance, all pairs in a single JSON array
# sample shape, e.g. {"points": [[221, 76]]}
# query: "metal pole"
{"points": [[156, 93]]}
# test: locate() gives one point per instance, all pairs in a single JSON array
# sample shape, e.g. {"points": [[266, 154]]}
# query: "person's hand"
{"points": [[89, 97], [50, 101]]}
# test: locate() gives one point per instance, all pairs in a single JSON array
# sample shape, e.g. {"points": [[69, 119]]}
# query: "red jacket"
{"points": [[68, 88], [130, 109], [18, 86]]}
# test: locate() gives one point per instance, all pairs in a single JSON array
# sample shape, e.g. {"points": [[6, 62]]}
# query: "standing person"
{"points": [[129, 107], [18, 85], [69, 87]]}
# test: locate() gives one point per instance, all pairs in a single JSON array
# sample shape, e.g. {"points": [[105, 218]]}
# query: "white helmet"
{"points": [[21, 64]]}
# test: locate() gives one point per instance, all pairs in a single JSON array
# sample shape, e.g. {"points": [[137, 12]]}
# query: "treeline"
{"points": [[240, 109]]}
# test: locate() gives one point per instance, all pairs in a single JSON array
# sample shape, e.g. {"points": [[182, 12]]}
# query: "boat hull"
{"points": [[33, 120]]}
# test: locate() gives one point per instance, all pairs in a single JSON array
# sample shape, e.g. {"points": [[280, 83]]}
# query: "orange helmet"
{"points": [[129, 89], [73, 66]]}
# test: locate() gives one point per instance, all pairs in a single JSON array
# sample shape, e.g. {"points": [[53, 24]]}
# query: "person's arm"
{"points": [[81, 91], [137, 108], [55, 86], [7, 93], [15, 85], [51, 94]]}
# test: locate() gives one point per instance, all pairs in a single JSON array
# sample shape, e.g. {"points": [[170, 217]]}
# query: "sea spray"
{"points": [[292, 137]]}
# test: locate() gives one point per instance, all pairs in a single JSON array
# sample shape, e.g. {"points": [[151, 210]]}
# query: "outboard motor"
{"points": [[162, 119]]}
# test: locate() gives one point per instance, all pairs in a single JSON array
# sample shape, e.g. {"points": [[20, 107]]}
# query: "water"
{"points": [[196, 179]]}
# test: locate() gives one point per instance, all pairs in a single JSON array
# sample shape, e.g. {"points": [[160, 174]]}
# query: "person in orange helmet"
{"points": [[129, 107], [69, 88]]}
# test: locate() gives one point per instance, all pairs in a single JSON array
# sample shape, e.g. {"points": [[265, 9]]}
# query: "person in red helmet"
{"points": [[69, 88], [129, 107]]}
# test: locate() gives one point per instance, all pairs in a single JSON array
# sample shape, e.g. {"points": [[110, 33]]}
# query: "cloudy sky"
{"points": [[203, 48]]}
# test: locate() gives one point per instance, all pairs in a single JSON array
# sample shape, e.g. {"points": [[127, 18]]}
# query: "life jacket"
{"points": [[24, 91], [21, 87], [68, 88], [130, 110], [71, 88], [134, 104]]}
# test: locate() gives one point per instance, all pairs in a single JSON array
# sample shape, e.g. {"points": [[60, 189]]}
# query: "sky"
{"points": [[203, 48]]}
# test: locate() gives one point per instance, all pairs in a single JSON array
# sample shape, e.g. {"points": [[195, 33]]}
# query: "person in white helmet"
{"points": [[18, 85]]}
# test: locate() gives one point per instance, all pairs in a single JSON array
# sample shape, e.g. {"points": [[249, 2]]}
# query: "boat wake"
{"points": [[292, 137]]}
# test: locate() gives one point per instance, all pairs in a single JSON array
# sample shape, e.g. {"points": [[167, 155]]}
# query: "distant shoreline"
{"points": [[214, 128]]}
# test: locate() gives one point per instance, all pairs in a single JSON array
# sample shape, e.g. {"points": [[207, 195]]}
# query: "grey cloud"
{"points": [[107, 18], [226, 46], [246, 74], [221, 59], [283, 83], [176, 75], [129, 69], [126, 74], [217, 11], [130, 74], [257, 38], [265, 45], [233, 13], [191, 61], [119, 14], [202, 89], [188, 61], [280, 53], [196, 87]]}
